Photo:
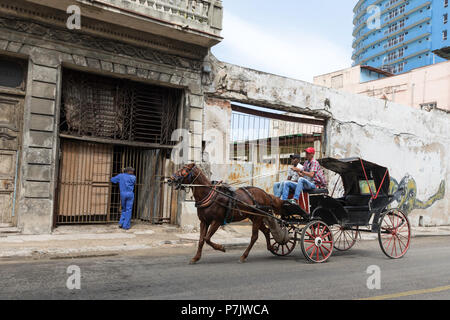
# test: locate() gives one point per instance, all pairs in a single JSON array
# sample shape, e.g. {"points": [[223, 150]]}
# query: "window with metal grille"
{"points": [[116, 109]]}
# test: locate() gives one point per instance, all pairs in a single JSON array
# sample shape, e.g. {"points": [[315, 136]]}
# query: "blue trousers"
{"points": [[127, 199], [302, 184], [278, 189]]}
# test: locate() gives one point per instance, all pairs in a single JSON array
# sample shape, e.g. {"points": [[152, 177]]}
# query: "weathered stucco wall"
{"points": [[413, 144]]}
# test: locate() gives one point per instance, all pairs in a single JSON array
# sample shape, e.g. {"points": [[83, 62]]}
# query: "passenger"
{"points": [[126, 182], [311, 177], [292, 175]]}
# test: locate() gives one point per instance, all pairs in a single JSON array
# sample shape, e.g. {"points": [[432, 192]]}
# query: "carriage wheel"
{"points": [[394, 234], [282, 250], [344, 239], [317, 241]]}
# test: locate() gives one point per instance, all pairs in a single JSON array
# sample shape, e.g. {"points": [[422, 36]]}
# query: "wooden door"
{"points": [[10, 128], [84, 182]]}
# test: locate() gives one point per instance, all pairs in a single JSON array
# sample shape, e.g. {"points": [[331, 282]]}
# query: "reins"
{"points": [[367, 180]]}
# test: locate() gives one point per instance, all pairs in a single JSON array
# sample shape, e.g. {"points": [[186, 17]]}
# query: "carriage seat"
{"points": [[317, 191]]}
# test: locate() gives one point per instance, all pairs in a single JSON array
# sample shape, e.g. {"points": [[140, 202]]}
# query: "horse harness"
{"points": [[231, 203]]}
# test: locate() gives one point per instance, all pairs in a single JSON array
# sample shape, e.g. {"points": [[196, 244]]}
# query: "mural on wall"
{"points": [[405, 194]]}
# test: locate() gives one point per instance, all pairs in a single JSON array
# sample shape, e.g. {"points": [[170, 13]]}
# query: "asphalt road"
{"points": [[167, 275]]}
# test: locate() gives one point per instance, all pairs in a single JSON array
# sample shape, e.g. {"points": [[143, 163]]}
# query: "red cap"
{"points": [[310, 150]]}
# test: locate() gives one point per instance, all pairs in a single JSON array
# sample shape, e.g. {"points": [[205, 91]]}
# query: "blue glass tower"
{"points": [[399, 35]]}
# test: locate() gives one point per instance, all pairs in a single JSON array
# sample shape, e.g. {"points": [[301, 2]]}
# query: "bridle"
{"points": [[178, 178]]}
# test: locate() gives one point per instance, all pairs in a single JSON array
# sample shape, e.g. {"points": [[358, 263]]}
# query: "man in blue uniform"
{"points": [[126, 182]]}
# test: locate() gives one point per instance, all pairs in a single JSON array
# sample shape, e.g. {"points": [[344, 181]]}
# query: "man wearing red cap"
{"points": [[311, 177]]}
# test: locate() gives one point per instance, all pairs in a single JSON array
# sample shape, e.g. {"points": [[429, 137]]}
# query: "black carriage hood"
{"points": [[351, 171]]}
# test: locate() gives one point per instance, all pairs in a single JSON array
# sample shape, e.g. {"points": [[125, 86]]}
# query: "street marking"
{"points": [[408, 293]]}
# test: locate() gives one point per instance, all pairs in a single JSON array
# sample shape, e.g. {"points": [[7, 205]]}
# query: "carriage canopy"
{"points": [[353, 172]]}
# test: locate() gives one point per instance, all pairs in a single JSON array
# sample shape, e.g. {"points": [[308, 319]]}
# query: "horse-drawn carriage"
{"points": [[322, 223], [319, 222]]}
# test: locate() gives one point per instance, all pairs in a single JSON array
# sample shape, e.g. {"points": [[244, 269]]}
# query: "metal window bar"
{"points": [[117, 109]]}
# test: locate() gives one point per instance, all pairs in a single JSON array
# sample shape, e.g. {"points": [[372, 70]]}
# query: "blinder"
{"points": [[178, 177]]}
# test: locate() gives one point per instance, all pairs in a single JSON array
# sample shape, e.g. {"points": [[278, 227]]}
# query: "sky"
{"points": [[299, 39]]}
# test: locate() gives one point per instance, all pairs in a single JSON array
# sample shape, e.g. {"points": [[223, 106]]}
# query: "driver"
{"points": [[311, 177]]}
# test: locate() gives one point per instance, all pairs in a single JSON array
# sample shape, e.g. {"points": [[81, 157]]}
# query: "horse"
{"points": [[214, 208]]}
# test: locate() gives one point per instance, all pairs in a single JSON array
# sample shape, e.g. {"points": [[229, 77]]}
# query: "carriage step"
{"points": [[290, 209]]}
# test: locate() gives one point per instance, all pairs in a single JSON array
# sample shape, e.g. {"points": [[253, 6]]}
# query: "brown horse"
{"points": [[214, 208]]}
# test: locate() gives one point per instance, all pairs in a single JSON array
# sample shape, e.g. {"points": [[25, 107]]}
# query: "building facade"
{"points": [[400, 35], [88, 88], [422, 88]]}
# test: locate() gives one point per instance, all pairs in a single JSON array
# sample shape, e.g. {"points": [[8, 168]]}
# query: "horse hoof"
{"points": [[222, 248], [242, 260], [193, 261]]}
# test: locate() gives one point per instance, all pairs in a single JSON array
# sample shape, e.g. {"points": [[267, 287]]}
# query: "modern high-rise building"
{"points": [[400, 35]]}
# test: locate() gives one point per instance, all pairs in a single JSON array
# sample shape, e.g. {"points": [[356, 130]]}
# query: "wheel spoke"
{"points": [[321, 251], [400, 243], [314, 250], [403, 236], [340, 234], [326, 235], [345, 237], [323, 230], [390, 239], [403, 225], [313, 231]]}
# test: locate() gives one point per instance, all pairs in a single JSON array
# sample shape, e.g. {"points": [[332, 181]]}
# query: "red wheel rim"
{"points": [[317, 242], [394, 234], [344, 239], [283, 249]]}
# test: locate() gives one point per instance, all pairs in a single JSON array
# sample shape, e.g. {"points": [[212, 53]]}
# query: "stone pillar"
{"points": [[39, 152], [195, 102]]}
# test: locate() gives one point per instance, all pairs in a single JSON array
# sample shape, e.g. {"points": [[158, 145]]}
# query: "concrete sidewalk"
{"points": [[97, 240]]}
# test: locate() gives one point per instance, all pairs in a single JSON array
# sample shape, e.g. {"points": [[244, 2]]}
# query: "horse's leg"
{"points": [[214, 226], [203, 229], [255, 229], [266, 233]]}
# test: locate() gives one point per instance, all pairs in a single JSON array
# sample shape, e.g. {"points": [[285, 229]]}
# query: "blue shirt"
{"points": [[126, 182]]}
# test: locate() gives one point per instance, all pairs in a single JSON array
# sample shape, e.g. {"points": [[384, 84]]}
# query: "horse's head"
{"points": [[185, 175]]}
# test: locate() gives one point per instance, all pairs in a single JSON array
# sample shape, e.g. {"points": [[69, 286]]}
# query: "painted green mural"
{"points": [[405, 193]]}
